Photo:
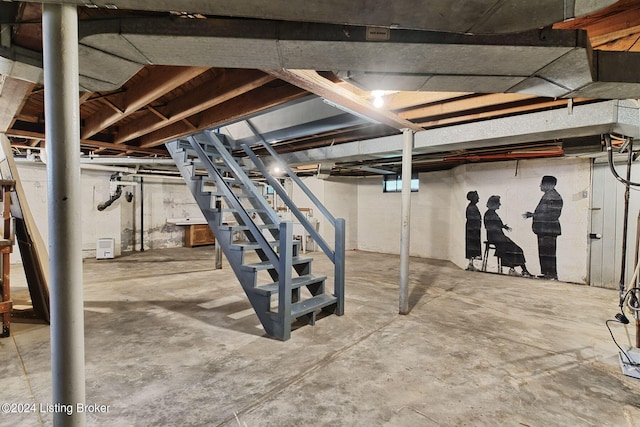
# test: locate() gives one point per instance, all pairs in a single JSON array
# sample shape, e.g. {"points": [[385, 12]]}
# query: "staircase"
{"points": [[275, 280]]}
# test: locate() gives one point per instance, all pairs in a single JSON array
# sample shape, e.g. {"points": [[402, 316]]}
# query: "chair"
{"points": [[488, 245]]}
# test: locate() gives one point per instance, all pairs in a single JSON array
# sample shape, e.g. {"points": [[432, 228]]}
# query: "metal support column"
{"points": [[406, 218], [62, 128]]}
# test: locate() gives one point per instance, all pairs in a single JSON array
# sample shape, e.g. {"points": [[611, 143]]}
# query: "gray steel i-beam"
{"points": [[406, 219], [62, 107]]}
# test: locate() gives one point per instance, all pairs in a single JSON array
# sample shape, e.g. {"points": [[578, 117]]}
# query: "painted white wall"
{"points": [[339, 196], [163, 198], [518, 185], [372, 217], [94, 190], [438, 211], [379, 216]]}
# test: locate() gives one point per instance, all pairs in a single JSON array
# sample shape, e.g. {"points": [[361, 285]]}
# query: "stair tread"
{"points": [[221, 194], [312, 304], [265, 265], [296, 282], [245, 227], [251, 246]]}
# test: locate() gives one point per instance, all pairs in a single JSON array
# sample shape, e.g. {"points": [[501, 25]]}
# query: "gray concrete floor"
{"points": [[168, 342]]}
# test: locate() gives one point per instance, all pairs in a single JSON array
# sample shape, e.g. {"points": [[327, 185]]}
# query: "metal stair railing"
{"points": [[215, 141], [214, 154], [234, 203], [336, 255]]}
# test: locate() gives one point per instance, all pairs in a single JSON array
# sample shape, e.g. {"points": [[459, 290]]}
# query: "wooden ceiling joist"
{"points": [[236, 108], [39, 136], [505, 110], [459, 106], [208, 94], [158, 82], [313, 82]]}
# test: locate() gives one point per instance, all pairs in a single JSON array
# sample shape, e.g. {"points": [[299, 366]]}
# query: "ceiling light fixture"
{"points": [[378, 102]]}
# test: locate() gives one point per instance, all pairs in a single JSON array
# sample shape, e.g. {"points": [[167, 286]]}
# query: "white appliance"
{"points": [[105, 248]]}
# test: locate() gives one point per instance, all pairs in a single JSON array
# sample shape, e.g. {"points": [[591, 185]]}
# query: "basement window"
{"points": [[393, 183]]}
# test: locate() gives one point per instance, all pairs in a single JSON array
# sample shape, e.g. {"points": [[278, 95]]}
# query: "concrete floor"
{"points": [[168, 342]]}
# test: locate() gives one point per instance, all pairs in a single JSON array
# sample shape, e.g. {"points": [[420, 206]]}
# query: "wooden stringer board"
{"points": [[35, 257]]}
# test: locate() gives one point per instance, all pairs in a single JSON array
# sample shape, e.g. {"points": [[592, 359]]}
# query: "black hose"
{"points": [[115, 196]]}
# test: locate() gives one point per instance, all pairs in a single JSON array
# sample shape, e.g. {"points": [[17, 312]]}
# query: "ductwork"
{"points": [[620, 117], [554, 63], [459, 16]]}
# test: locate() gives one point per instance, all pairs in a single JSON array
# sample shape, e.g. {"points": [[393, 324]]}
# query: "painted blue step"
{"points": [[296, 282], [312, 304], [250, 246], [245, 227], [266, 265], [219, 194]]}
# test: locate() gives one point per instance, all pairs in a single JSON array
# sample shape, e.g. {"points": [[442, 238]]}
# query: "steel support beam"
{"points": [[406, 220], [62, 107]]}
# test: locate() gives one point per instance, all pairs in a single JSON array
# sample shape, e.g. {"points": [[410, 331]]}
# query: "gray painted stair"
{"points": [[265, 233]]}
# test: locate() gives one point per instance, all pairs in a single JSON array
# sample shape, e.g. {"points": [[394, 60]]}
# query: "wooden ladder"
{"points": [[6, 246]]}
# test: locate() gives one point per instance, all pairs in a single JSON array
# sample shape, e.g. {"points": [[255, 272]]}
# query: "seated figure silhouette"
{"points": [[510, 254]]}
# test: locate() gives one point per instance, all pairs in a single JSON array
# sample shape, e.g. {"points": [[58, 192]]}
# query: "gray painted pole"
{"points": [[62, 127], [406, 219]]}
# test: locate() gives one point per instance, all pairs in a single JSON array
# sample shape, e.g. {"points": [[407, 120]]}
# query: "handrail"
{"points": [[214, 139], [269, 251], [293, 176], [289, 202]]}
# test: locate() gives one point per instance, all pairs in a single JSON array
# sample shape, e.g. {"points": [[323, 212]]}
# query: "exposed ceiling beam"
{"points": [[158, 82], [608, 25], [505, 110], [13, 95], [230, 84], [239, 107], [402, 100], [311, 81], [459, 106], [39, 136], [627, 44]]}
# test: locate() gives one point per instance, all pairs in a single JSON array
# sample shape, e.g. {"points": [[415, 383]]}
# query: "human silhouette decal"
{"points": [[510, 254], [546, 226], [472, 229]]}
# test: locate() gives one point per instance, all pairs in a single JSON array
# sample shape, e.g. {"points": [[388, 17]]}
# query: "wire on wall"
{"points": [[607, 140]]}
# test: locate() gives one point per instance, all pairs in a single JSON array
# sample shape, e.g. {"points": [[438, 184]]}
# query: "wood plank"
{"points": [[159, 81], [35, 256], [626, 44], [459, 106], [402, 100], [497, 113], [598, 41], [202, 97], [311, 81], [245, 105], [617, 21], [13, 96], [39, 136]]}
